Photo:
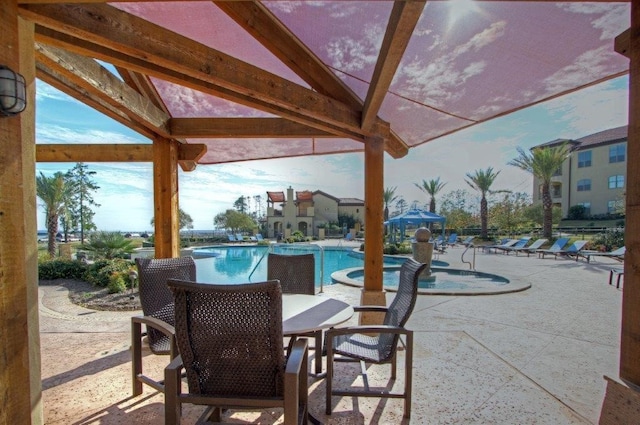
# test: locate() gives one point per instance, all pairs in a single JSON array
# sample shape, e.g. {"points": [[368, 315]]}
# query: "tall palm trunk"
{"points": [[484, 217], [52, 227], [547, 209]]}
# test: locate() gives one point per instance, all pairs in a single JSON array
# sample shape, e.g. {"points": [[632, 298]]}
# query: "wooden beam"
{"points": [[630, 333], [88, 48], [240, 128], [143, 85], [257, 20], [102, 84], [20, 378], [622, 43], [403, 20], [165, 198], [191, 152], [144, 42]]}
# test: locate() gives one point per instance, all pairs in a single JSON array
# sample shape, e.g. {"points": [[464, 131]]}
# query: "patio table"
{"points": [[308, 313]]}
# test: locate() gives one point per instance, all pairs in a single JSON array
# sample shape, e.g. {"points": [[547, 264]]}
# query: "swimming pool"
{"points": [[240, 264]]}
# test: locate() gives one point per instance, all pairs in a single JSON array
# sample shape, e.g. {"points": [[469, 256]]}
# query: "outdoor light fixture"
{"points": [[13, 93]]}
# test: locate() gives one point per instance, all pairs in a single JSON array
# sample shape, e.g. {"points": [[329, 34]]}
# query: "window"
{"points": [[584, 185], [584, 159], [613, 207], [617, 153], [616, 182], [558, 172], [587, 207]]}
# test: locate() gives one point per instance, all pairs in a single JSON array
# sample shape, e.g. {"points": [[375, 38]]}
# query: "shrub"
{"points": [[99, 273], [109, 245], [117, 282], [60, 269], [609, 240]]}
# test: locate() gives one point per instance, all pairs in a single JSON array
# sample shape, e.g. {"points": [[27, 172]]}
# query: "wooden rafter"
{"points": [[91, 76], [120, 152], [258, 21], [140, 45], [402, 22], [54, 78], [240, 128], [142, 84]]}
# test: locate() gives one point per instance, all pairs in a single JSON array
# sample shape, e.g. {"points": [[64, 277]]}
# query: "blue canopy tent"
{"points": [[416, 217]]}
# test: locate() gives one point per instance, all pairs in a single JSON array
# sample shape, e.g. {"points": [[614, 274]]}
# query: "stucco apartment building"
{"points": [[306, 210], [593, 176]]}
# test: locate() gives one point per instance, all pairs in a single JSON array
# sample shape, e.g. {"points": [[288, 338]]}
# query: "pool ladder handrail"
{"points": [[472, 263], [270, 249]]}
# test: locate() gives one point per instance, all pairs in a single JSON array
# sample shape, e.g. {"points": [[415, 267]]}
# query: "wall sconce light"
{"points": [[13, 93]]}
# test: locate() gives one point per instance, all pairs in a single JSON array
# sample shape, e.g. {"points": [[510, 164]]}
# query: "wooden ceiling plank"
{"points": [[258, 21], [84, 47], [240, 128], [118, 30], [90, 75], [402, 21]]}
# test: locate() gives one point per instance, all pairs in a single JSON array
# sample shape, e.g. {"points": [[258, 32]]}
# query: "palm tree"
{"points": [[388, 197], [431, 188], [54, 192], [543, 163], [481, 181]]}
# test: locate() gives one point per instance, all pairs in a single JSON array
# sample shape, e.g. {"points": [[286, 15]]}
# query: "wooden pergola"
{"points": [[59, 41]]}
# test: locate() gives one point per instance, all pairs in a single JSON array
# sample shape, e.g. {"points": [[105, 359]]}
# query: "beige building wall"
{"points": [[594, 180], [326, 209], [356, 211]]}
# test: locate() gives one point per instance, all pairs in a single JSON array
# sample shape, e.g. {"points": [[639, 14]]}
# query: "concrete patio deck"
{"points": [[531, 357]]}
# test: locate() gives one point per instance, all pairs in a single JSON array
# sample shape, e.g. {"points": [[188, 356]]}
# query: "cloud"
{"points": [[48, 134]]}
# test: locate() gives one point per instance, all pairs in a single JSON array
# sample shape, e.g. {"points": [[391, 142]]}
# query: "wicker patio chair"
{"points": [[157, 308], [297, 275], [378, 344], [231, 347]]}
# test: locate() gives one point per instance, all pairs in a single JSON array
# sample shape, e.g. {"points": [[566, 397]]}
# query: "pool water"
{"points": [[241, 264]]}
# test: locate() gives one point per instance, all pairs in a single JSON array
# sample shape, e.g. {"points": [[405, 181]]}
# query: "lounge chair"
{"points": [[553, 249], [453, 239], [239, 237], [231, 238], [297, 275], [574, 250], [503, 244], [378, 344], [617, 254], [619, 273], [529, 249], [259, 237], [230, 339], [520, 243], [157, 306], [467, 241]]}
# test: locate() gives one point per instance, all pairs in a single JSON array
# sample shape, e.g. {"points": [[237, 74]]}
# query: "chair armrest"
{"points": [[373, 308], [157, 324], [296, 385], [367, 329]]}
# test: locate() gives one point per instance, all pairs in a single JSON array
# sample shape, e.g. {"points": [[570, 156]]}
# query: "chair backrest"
{"points": [[619, 251], [577, 246], [231, 238], [520, 243], [453, 238], [559, 244], [155, 297], [537, 243], [230, 338], [402, 305], [296, 273]]}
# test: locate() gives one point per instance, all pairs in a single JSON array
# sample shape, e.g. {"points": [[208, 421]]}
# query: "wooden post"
{"points": [[21, 395], [630, 338], [372, 294], [165, 198]]}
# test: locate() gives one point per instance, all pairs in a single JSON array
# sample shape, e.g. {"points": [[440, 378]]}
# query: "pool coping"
{"points": [[341, 276]]}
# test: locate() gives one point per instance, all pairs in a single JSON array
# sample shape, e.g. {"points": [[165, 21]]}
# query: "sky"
{"points": [[126, 193]]}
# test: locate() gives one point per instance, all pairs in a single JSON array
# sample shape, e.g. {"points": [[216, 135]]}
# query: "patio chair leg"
{"points": [[136, 357]]}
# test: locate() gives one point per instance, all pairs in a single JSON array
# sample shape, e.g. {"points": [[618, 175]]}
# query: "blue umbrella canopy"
{"points": [[416, 217]]}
